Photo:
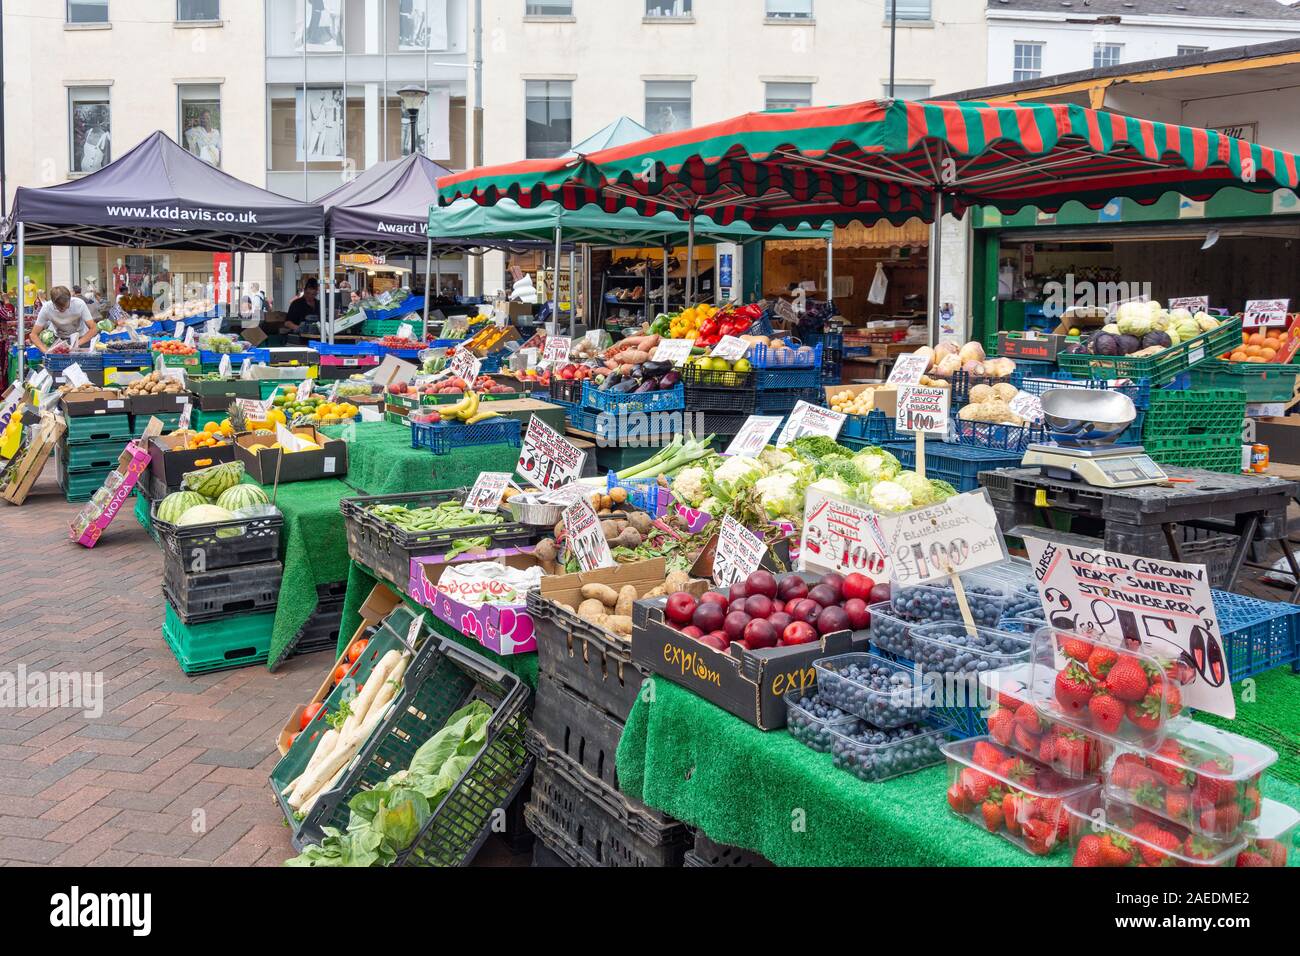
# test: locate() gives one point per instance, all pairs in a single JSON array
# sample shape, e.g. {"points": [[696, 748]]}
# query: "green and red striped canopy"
{"points": [[890, 160]]}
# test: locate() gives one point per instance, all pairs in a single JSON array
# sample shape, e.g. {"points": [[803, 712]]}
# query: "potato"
{"points": [[620, 624], [676, 581], [626, 598], [603, 593], [980, 393], [592, 610], [1003, 391]]}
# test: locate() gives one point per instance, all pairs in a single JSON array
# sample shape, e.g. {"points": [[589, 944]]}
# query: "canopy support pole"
{"points": [[690, 262], [428, 292], [555, 276], [333, 303], [22, 303], [238, 297], [935, 265], [573, 293], [320, 266], [830, 269]]}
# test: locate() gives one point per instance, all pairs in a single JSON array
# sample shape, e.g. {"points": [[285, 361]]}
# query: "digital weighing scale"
{"points": [[1084, 422]]}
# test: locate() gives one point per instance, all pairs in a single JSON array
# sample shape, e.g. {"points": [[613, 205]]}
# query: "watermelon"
{"points": [[176, 504], [215, 481], [242, 496], [204, 514]]}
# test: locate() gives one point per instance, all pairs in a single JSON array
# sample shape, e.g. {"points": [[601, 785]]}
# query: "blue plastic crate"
{"points": [[643, 493], [1002, 437], [1257, 635], [1139, 392], [360, 348], [761, 357], [411, 354], [580, 418], [88, 361], [443, 437], [446, 343], [873, 428], [959, 465], [667, 400], [412, 304], [832, 369], [128, 360], [857, 352], [782, 401], [831, 341], [788, 378], [258, 356], [491, 364]]}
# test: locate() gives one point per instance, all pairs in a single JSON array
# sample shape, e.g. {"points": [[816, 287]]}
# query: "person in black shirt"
{"points": [[304, 310]]}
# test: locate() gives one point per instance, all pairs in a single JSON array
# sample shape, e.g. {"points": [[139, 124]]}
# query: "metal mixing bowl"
{"points": [[1086, 417]]}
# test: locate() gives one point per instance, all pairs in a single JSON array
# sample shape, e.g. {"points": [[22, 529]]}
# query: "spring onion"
{"points": [[669, 459]]}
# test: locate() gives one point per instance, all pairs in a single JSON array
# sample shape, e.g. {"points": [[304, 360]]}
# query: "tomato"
{"points": [[340, 672], [357, 648], [308, 712]]}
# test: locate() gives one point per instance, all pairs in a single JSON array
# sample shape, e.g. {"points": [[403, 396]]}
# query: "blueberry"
{"points": [[811, 719], [874, 754]]}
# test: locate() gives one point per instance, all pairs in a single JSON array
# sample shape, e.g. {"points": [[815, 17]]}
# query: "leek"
{"points": [[669, 459]]}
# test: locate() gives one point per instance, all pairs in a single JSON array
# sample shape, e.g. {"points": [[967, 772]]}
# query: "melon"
{"points": [[204, 514], [176, 504], [242, 496], [213, 482]]}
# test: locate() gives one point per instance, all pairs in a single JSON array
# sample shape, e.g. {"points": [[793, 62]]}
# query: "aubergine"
{"points": [[612, 379], [649, 385], [657, 369], [624, 387], [669, 379]]}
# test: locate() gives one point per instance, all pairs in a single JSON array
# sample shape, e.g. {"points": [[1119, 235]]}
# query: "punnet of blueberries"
{"points": [[938, 602], [811, 720], [951, 649], [879, 691], [890, 634], [873, 754]]}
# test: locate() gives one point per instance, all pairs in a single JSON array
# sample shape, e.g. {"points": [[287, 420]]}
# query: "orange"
{"points": [[1239, 356], [1268, 354]]}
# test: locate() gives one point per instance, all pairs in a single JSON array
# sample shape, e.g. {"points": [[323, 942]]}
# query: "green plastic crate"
{"points": [[140, 422], [268, 387], [200, 418], [142, 508], [1207, 454], [1163, 368], [1261, 382], [97, 428], [82, 485], [382, 327], [218, 645], [1196, 413], [395, 419], [93, 456]]}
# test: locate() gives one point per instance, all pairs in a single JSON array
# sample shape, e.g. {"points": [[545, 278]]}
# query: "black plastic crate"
{"points": [[717, 378], [567, 390], [579, 741], [739, 401], [722, 423], [320, 632], [707, 853], [577, 829], [387, 550], [595, 666], [213, 595], [226, 544]]}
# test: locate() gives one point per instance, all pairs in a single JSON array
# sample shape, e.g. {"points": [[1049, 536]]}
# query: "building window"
{"points": [[87, 11], [200, 120], [786, 96], [908, 9], [667, 105], [422, 25], [549, 8], [1191, 50], [1106, 54], [198, 10], [789, 9], [909, 91], [667, 8], [1028, 62], [548, 118], [89, 128]]}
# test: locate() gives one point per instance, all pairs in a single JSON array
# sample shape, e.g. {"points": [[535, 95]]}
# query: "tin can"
{"points": [[1259, 458]]}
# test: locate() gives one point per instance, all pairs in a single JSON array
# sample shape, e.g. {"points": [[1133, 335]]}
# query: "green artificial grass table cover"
{"points": [[764, 791], [381, 460]]}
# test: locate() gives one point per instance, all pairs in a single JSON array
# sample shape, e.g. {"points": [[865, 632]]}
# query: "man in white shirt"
{"points": [[68, 317]]}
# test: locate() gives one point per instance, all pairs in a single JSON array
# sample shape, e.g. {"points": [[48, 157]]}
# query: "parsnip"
{"points": [[361, 703]]}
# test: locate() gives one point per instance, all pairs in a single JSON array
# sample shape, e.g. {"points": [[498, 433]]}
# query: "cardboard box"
{"points": [[106, 401], [47, 434], [561, 594], [883, 397], [524, 409], [157, 404], [1081, 319], [1039, 348], [170, 460], [330, 462], [377, 606], [255, 336], [518, 310], [749, 684], [504, 629]]}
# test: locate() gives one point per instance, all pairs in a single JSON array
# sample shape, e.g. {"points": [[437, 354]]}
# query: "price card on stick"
{"points": [[186, 415], [754, 435], [547, 459], [1162, 604], [1265, 313], [567, 494], [908, 369], [731, 348], [223, 366], [406, 331], [179, 332], [922, 410], [556, 350], [465, 364], [675, 351], [842, 536], [304, 390], [809, 419], [287, 439], [487, 491], [189, 337], [586, 538], [1192, 303], [738, 554]]}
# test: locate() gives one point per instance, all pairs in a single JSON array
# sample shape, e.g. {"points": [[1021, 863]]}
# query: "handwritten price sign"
{"points": [[465, 364], [958, 535], [842, 536], [754, 435], [738, 554], [547, 459], [487, 491], [908, 369], [807, 419], [1263, 313], [586, 538], [557, 349], [922, 409]]}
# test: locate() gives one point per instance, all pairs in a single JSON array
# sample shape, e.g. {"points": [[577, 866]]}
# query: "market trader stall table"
{"points": [[1143, 520]]}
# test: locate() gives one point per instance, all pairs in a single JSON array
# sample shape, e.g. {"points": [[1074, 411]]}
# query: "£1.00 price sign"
{"points": [[547, 459], [922, 409], [954, 536]]}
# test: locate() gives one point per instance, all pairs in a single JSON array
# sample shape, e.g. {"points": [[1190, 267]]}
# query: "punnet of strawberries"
{"points": [[1129, 837], [1016, 723]]}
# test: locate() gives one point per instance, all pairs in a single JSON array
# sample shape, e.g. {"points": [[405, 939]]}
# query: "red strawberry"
{"points": [[1009, 701], [1210, 783], [1126, 679], [1223, 821], [1173, 697], [1159, 842], [1101, 661], [1116, 850], [1040, 836], [1107, 712], [1011, 812], [1047, 748], [1250, 803], [958, 800], [1147, 794], [1145, 715], [1200, 849], [1027, 717], [1127, 765], [1019, 772], [1073, 688], [976, 784], [992, 810], [1002, 724], [1024, 740], [1169, 769], [1077, 648], [1178, 805], [986, 755], [1088, 852], [1074, 753], [1250, 858], [1275, 849]]}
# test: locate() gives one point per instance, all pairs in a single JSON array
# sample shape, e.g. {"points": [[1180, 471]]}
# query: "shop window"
{"points": [[908, 9], [548, 8], [198, 10], [786, 96], [1106, 54], [667, 8], [789, 9], [667, 105], [87, 11], [200, 121], [548, 118], [422, 25], [1191, 50], [89, 128], [1028, 63], [909, 91]]}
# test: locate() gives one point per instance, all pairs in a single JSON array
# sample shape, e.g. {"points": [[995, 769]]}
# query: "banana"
{"points": [[454, 411], [472, 410], [482, 417]]}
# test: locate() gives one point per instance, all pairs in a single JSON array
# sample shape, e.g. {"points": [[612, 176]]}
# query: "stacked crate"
{"points": [[89, 452], [1197, 428]]}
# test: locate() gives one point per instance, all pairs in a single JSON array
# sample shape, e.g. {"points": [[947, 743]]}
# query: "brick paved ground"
{"points": [[174, 771]]}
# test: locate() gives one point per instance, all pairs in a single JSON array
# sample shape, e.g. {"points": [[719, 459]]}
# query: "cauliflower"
{"points": [[734, 476], [712, 506], [831, 486], [941, 490], [691, 486], [780, 494], [874, 464], [889, 496], [773, 458], [920, 490], [802, 470]]}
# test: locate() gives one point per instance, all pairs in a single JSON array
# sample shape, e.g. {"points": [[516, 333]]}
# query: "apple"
{"points": [[805, 609], [735, 624], [799, 632], [760, 633], [714, 641], [680, 608], [824, 594], [832, 619], [713, 597], [758, 605], [858, 586], [708, 617], [690, 630], [737, 591], [780, 621], [879, 593], [792, 588], [859, 616], [836, 583], [761, 582]]}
